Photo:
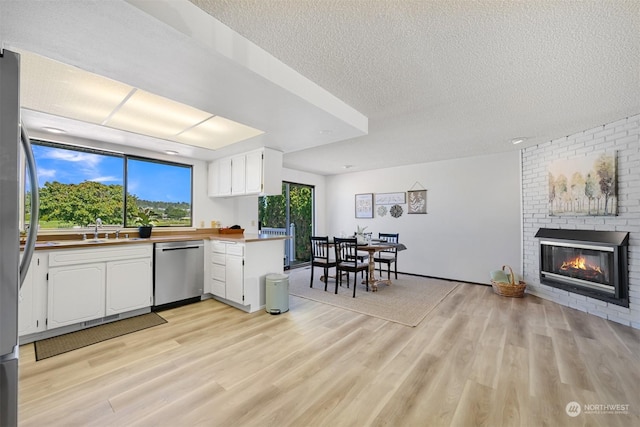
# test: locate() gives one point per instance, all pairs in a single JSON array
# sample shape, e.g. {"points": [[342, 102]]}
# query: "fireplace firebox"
{"points": [[590, 263]]}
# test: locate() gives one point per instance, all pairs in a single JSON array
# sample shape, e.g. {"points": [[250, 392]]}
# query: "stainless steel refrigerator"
{"points": [[12, 271]]}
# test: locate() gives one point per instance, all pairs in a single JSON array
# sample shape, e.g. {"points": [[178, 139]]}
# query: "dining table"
{"points": [[372, 247]]}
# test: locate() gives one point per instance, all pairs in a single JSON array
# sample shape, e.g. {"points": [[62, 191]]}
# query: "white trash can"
{"points": [[277, 293]]}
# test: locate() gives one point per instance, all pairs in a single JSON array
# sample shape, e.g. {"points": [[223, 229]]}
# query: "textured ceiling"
{"points": [[450, 78], [368, 83]]}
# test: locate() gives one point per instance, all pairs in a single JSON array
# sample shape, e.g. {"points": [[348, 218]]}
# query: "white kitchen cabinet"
{"points": [[234, 273], [213, 183], [219, 178], [239, 270], [253, 172], [32, 305], [227, 270], [224, 177], [218, 262], [76, 294], [89, 284], [257, 172], [129, 285], [238, 175]]}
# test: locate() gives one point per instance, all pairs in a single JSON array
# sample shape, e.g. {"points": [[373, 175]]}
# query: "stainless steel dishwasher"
{"points": [[178, 275]]}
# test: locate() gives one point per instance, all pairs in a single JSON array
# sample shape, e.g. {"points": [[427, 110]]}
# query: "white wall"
{"points": [[472, 224]]}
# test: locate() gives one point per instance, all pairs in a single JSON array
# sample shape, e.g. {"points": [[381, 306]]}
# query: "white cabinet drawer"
{"points": [[218, 288], [235, 249], [217, 258], [218, 247], [218, 272]]}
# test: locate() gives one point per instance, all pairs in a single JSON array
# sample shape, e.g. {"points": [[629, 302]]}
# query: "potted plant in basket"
{"points": [[145, 223]]}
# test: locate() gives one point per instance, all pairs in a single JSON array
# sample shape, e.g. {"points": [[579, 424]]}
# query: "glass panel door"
{"points": [[290, 214]]}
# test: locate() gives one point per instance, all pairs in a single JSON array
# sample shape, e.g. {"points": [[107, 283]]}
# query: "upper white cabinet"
{"points": [[238, 175], [224, 176], [254, 172]]}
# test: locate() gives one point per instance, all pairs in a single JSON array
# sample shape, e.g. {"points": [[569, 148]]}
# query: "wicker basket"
{"points": [[511, 289]]}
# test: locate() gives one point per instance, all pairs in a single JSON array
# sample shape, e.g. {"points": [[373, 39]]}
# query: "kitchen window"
{"points": [[78, 185]]}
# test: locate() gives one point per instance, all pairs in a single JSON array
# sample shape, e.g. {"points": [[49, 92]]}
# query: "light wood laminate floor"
{"points": [[477, 359]]}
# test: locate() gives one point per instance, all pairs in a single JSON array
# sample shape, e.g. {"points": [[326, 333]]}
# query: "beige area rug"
{"points": [[407, 301], [72, 341]]}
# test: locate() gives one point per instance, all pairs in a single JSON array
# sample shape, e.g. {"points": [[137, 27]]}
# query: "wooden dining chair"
{"points": [[363, 256], [321, 256], [347, 261], [388, 256]]}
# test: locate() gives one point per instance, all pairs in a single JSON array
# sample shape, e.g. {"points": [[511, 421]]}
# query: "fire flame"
{"points": [[579, 263]]}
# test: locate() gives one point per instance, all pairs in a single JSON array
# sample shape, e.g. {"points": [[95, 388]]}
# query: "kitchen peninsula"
{"points": [[239, 264], [74, 284]]}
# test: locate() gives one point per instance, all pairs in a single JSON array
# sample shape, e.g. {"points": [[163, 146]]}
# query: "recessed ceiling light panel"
{"points": [[53, 130], [62, 90]]}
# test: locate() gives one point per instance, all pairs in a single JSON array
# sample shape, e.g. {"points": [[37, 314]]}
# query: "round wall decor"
{"points": [[382, 210], [396, 211]]}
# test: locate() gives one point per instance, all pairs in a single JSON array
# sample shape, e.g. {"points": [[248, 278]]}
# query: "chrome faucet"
{"points": [[95, 231]]}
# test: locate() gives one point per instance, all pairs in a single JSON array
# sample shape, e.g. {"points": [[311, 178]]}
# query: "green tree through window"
{"points": [[294, 206], [78, 185]]}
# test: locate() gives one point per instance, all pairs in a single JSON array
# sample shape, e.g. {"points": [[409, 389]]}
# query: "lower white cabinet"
{"points": [[32, 299], [218, 272], [234, 274], [238, 270], [128, 286], [89, 284], [227, 270], [76, 294]]}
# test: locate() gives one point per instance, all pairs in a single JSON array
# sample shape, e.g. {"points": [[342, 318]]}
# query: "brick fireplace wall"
{"points": [[623, 137]]}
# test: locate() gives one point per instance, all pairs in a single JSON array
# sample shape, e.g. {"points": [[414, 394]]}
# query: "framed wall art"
{"points": [[583, 186], [390, 198], [417, 202], [364, 205]]}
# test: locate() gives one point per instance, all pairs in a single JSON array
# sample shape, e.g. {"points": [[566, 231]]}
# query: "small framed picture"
{"points": [[417, 202], [364, 205], [390, 198]]}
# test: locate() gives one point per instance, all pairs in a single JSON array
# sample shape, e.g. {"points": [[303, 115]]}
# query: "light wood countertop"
{"points": [[73, 241]]}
